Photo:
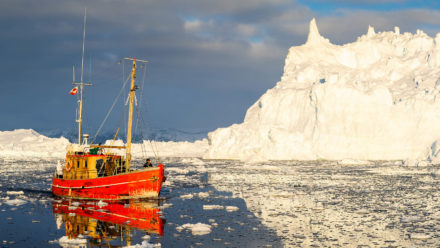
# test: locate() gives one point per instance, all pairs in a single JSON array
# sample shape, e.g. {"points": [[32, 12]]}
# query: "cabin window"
{"points": [[77, 164], [86, 164], [99, 167]]}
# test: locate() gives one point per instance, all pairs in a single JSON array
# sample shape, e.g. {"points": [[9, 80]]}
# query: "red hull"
{"points": [[137, 184], [135, 215]]}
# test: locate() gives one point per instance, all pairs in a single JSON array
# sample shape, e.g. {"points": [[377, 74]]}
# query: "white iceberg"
{"points": [[373, 99]]}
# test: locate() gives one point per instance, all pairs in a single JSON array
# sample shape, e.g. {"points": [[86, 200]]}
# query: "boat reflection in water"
{"points": [[93, 223]]}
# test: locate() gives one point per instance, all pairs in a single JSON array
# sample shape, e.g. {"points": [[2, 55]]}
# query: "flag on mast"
{"points": [[74, 91]]}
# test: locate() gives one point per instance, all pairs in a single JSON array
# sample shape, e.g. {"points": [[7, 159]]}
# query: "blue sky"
{"points": [[209, 60]]}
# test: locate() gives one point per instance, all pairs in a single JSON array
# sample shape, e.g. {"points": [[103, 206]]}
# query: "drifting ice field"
{"points": [[230, 203]]}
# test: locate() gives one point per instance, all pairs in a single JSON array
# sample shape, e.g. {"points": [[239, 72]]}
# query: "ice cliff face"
{"points": [[376, 98]]}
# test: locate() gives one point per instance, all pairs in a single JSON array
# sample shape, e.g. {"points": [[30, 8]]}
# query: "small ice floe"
{"points": [[66, 241], [144, 244], [167, 205], [419, 236], [53, 241], [14, 192], [102, 204], [231, 208], [35, 221], [188, 196], [211, 207], [203, 195], [15, 202], [196, 229]]}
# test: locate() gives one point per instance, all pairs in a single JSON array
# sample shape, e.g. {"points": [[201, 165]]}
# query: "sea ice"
{"points": [[15, 202], [187, 196], [196, 229], [211, 207], [231, 208], [203, 195], [14, 192], [67, 241]]}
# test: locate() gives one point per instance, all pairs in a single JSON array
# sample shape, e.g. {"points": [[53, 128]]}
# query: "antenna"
{"points": [[73, 69], [81, 84], [84, 40]]}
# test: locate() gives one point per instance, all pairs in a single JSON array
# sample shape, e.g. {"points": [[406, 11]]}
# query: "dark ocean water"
{"points": [[31, 217]]}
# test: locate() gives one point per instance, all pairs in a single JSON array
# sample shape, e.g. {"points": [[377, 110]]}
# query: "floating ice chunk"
{"points": [[231, 208], [188, 196], [420, 236], [144, 244], [203, 194], [167, 205], [196, 229], [14, 192], [16, 202], [211, 207], [65, 240]]}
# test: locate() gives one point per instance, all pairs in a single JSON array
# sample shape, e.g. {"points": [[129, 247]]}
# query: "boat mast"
{"points": [[132, 95], [81, 84]]}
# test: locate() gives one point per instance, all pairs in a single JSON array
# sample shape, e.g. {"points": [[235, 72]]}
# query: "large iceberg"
{"points": [[373, 99]]}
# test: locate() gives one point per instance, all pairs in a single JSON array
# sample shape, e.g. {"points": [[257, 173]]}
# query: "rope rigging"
{"points": [[110, 110], [140, 124]]}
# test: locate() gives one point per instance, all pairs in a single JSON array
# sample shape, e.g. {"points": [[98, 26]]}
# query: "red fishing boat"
{"points": [[103, 171], [104, 222]]}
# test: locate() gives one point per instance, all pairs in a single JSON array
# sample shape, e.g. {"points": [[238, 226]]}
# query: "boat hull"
{"points": [[145, 183], [139, 215]]}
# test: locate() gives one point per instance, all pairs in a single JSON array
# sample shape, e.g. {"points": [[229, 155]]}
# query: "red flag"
{"points": [[74, 91]]}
